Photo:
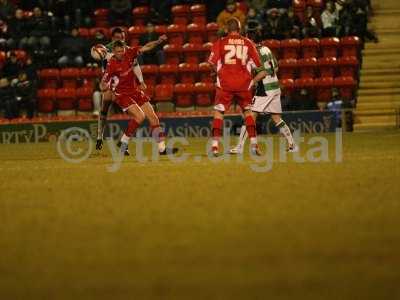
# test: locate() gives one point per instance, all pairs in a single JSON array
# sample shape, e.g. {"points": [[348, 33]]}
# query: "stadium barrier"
{"points": [[178, 126]]}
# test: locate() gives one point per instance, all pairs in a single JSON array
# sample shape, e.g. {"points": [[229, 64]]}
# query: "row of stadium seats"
{"points": [[22, 56], [193, 72], [182, 14], [199, 94]]}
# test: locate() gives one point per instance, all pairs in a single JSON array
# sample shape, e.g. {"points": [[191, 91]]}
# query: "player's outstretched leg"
{"points": [[102, 119], [137, 118], [156, 131], [217, 131], [285, 131]]}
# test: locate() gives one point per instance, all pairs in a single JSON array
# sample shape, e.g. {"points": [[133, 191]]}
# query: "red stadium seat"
{"points": [[150, 74], [212, 32], [46, 98], [160, 29], [22, 55], [168, 73], [84, 32], [304, 83], [327, 66], [346, 86], [204, 93], [3, 57], [89, 76], [184, 94], [172, 54], [310, 47], [287, 68], [205, 71], [188, 72], [196, 33], [287, 86], [307, 67], [69, 77], [348, 66], [330, 47], [140, 15], [85, 98], [274, 46], [92, 31], [193, 53], [324, 87], [49, 77], [180, 14], [290, 48], [134, 33], [350, 46], [163, 92], [176, 34], [66, 98], [101, 17], [198, 12]]}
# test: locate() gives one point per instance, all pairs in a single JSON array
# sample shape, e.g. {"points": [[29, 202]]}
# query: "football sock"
{"points": [[130, 130], [285, 131], [242, 137], [216, 131], [158, 134], [251, 129]]}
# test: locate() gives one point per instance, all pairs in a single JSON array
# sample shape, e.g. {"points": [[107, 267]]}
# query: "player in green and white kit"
{"points": [[267, 100]]}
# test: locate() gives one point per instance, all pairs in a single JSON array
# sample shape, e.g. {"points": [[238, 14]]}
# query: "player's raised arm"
{"points": [[254, 56], [151, 45]]}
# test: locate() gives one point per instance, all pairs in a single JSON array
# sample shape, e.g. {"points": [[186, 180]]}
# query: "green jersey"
{"points": [[270, 64]]}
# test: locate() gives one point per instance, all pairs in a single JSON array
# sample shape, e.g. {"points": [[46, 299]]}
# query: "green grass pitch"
{"points": [[201, 230]]}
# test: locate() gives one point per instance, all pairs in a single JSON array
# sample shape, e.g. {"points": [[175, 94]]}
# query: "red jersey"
{"points": [[233, 56], [120, 72]]}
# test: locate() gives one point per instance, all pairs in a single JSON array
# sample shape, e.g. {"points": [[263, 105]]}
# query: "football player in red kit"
{"points": [[120, 78], [233, 57]]}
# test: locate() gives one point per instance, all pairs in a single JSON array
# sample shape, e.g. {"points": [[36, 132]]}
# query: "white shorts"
{"points": [[268, 104]]}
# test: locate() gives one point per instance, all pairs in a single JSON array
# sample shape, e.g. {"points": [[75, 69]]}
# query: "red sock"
{"points": [[217, 128], [250, 126], [157, 133], [132, 126]]}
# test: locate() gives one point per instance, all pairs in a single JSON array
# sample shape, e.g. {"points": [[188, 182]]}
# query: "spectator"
{"points": [[360, 22], [330, 19], [17, 30], [72, 49], [12, 67], [30, 69], [5, 39], [120, 12], [253, 21], [7, 99], [161, 10], [273, 27], [6, 10], [282, 4], [25, 92], [38, 31], [99, 38], [346, 19], [311, 29], [157, 54], [230, 11], [292, 25], [258, 5], [304, 100]]}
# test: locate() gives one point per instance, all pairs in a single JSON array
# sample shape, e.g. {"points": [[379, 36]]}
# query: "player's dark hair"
{"points": [[233, 24], [118, 44], [116, 30]]}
